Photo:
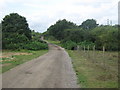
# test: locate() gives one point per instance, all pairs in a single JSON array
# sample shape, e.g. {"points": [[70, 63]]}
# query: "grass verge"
{"points": [[11, 59], [95, 70], [54, 42]]}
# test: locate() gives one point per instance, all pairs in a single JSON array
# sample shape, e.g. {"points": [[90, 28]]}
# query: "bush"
{"points": [[106, 36], [36, 46], [29, 46], [70, 45], [51, 38], [14, 41], [15, 46], [86, 44]]}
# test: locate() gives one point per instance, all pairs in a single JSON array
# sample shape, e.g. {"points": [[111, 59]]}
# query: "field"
{"points": [[10, 59], [95, 69]]}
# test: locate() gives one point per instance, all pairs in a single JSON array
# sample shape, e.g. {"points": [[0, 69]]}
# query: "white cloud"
{"points": [[42, 13]]}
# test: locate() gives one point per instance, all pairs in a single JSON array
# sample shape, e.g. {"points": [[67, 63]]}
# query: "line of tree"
{"points": [[16, 34], [57, 30], [88, 33]]}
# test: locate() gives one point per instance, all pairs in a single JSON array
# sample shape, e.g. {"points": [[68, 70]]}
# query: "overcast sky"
{"points": [[40, 14]]}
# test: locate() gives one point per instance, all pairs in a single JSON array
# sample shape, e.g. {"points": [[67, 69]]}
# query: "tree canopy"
{"points": [[88, 33], [14, 23], [89, 24], [15, 30], [57, 30]]}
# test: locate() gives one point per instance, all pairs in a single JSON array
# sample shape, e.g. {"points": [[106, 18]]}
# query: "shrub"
{"points": [[106, 36], [15, 46], [86, 44], [29, 46], [70, 45], [36, 46], [52, 38], [14, 41]]}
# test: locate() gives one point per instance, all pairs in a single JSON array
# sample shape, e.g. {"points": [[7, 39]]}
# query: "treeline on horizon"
{"points": [[16, 34], [89, 33]]}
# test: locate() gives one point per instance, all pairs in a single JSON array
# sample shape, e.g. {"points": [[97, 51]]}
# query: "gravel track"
{"points": [[52, 70]]}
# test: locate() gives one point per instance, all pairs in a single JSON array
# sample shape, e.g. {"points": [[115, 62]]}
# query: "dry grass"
{"points": [[95, 69], [8, 56], [10, 59]]}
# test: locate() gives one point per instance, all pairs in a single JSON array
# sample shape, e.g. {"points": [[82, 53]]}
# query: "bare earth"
{"points": [[52, 70]]}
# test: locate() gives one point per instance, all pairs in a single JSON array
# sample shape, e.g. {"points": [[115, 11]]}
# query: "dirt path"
{"points": [[52, 70]]}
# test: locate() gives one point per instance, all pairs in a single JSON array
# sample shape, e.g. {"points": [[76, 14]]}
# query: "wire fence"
{"points": [[105, 60]]}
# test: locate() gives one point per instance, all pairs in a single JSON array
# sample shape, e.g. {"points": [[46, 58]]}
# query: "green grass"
{"points": [[19, 59], [95, 70], [54, 42]]}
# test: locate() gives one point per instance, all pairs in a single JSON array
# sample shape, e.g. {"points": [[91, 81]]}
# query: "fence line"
{"points": [[97, 58], [87, 51]]}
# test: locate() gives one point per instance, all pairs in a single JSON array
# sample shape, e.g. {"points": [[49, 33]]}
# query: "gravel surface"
{"points": [[52, 70]]}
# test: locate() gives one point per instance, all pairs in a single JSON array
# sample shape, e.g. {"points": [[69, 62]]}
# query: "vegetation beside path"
{"points": [[97, 71], [19, 43], [98, 66], [10, 59], [94, 69]]}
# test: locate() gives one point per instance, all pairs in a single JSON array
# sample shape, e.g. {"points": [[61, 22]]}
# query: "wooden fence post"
{"points": [[78, 47], [104, 57], [104, 62], [93, 53], [84, 48], [88, 48], [88, 51], [103, 51], [94, 48]]}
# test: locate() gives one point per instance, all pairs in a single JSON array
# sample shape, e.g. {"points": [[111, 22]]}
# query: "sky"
{"points": [[41, 14]]}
